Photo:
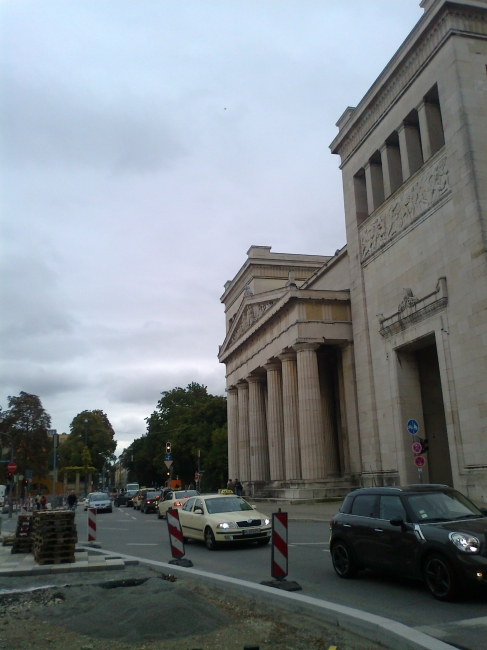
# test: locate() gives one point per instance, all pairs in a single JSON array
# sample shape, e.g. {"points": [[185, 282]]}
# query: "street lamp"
{"points": [[86, 445]]}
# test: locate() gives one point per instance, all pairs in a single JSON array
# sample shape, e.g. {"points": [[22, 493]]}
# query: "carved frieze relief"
{"points": [[250, 315], [405, 208]]}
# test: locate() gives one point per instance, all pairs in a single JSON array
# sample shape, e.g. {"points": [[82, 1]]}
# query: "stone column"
{"points": [[410, 147], [431, 129], [275, 421], [391, 168], [232, 411], [290, 410], [327, 383], [243, 432], [313, 455], [350, 401], [259, 448], [375, 186], [77, 483]]}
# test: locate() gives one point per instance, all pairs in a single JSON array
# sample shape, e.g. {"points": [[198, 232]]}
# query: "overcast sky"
{"points": [[146, 145]]}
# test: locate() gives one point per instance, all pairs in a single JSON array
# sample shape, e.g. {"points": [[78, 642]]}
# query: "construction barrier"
{"points": [[279, 569], [91, 524], [175, 533]]}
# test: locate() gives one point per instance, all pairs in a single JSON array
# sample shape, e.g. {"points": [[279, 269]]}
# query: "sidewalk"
{"points": [[300, 512], [24, 564]]}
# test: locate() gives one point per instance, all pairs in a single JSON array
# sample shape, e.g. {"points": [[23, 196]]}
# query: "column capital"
{"points": [[300, 347], [255, 379], [232, 390], [271, 366], [242, 385], [287, 356]]}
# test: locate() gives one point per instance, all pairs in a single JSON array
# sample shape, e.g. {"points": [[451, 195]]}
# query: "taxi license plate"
{"points": [[250, 531]]}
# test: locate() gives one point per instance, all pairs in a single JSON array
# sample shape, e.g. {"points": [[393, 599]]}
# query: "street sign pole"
{"points": [[55, 439]]}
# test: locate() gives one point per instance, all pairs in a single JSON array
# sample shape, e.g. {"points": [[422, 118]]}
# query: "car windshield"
{"points": [[98, 497], [442, 506], [226, 504], [185, 494]]}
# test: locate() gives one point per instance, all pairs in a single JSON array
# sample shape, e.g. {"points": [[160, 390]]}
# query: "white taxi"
{"points": [[174, 499], [217, 518]]}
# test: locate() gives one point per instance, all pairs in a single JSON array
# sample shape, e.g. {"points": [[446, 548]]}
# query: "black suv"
{"points": [[429, 532]]}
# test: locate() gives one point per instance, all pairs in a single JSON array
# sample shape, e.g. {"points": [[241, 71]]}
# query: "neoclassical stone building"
{"points": [[327, 358]]}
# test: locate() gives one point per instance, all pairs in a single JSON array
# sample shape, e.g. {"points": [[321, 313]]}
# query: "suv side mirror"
{"points": [[397, 521], [198, 510], [483, 511]]}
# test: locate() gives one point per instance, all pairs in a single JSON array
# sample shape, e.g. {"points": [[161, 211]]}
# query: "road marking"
{"points": [[134, 518], [325, 550], [134, 544], [309, 544]]}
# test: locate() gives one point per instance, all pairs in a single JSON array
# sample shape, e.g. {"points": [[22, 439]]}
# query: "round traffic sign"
{"points": [[413, 427], [196, 476], [417, 447], [419, 461], [11, 467]]}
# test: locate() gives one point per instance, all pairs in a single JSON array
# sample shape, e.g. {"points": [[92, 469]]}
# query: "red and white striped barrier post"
{"points": [[279, 569], [176, 538], [92, 524], [279, 556]]}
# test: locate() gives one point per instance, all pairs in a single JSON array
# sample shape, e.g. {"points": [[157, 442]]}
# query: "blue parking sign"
{"points": [[413, 427]]}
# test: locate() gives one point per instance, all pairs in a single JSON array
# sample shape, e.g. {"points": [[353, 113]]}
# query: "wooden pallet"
{"points": [[61, 559], [54, 548]]}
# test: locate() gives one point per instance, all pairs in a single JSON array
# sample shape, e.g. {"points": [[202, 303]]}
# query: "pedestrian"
{"points": [[238, 488], [231, 485], [191, 486], [38, 501], [72, 501], [43, 502]]}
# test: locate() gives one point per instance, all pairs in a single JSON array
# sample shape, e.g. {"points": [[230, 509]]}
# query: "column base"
{"points": [[308, 490]]}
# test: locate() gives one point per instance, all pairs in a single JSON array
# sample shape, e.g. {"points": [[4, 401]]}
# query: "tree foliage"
{"points": [[100, 437], [27, 422], [191, 419]]}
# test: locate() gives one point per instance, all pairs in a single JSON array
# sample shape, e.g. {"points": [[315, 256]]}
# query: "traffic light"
{"points": [[168, 447], [10, 476], [424, 445]]}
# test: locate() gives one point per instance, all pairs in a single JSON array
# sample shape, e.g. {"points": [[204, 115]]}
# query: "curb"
{"points": [[383, 631]]}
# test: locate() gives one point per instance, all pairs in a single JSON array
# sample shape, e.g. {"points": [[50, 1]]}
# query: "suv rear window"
{"points": [[363, 505]]}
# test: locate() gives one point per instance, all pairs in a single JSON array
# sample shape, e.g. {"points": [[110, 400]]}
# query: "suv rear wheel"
{"points": [[343, 562]]}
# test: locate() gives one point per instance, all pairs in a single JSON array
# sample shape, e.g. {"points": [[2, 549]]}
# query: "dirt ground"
{"points": [[150, 612]]}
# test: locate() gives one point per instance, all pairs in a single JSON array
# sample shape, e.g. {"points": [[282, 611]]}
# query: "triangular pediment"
{"points": [[251, 310]]}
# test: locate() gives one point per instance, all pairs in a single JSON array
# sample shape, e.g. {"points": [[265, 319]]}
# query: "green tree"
{"points": [[100, 436], [191, 419], [27, 422]]}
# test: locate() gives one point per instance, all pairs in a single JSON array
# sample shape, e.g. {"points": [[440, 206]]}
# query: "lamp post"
{"points": [[10, 502], [86, 445]]}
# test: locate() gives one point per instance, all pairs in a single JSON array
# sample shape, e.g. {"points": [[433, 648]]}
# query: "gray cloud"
{"points": [[130, 195]]}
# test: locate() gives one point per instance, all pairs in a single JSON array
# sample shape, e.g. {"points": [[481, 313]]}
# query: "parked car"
{"points": [[219, 518], [149, 501], [125, 499], [429, 532], [100, 501], [173, 499]]}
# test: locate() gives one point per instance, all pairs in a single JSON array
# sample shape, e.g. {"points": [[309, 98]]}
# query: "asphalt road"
{"points": [[462, 623]]}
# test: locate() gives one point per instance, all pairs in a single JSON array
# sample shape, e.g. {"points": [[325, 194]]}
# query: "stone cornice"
{"points": [[430, 33], [412, 310], [302, 265]]}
